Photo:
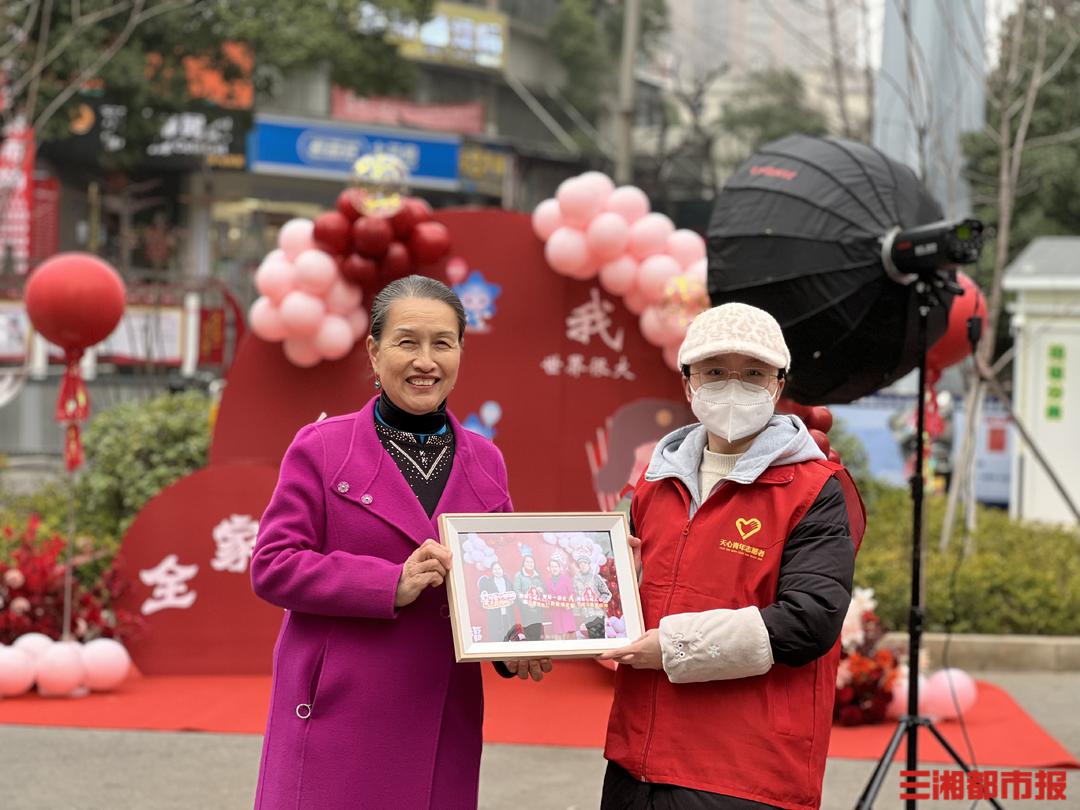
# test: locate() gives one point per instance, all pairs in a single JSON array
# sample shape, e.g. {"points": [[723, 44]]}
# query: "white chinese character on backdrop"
{"points": [[235, 539], [598, 367], [477, 633], [594, 318], [575, 365], [622, 370], [552, 365], [170, 585]]}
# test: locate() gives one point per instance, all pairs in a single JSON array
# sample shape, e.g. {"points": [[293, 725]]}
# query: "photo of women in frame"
{"points": [[557, 589]]}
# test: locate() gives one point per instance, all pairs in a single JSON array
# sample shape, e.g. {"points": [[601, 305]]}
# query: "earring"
{"points": [[378, 384]]}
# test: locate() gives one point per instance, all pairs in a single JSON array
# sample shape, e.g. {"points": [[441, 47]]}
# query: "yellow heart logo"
{"points": [[748, 528]]}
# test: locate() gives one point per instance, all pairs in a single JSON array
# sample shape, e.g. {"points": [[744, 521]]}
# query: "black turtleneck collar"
{"points": [[423, 424]]}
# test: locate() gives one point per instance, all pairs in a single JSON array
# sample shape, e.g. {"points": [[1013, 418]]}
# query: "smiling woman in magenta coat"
{"points": [[369, 708]]}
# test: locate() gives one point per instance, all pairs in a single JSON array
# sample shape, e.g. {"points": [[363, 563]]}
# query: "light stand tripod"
{"points": [[926, 288]]}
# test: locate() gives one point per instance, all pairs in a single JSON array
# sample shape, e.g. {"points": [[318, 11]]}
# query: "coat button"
{"points": [[343, 487], [445, 611], [366, 499]]}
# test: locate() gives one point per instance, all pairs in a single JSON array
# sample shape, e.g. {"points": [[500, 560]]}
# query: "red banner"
{"points": [[467, 118], [45, 219], [16, 194]]}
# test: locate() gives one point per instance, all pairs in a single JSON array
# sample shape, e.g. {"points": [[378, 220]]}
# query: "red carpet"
{"points": [[568, 708]]}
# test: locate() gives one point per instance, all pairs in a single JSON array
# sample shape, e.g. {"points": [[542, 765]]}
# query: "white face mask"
{"points": [[732, 410]]}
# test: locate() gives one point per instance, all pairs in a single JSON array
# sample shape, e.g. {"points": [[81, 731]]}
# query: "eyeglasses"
{"points": [[753, 376]]}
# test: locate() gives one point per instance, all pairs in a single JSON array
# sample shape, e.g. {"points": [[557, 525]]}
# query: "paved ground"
{"points": [[61, 769]]}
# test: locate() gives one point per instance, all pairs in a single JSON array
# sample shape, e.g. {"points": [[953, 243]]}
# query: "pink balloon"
{"points": [[600, 183], [33, 644], [301, 352], [898, 705], [620, 276], [265, 320], [607, 236], [343, 297], [649, 235], [358, 321], [635, 301], [686, 246], [316, 272], [546, 219], [302, 314], [654, 273], [671, 357], [940, 701], [296, 236], [106, 662], [60, 669], [629, 202], [335, 337], [276, 276], [566, 251], [579, 201], [456, 270], [16, 671], [659, 330], [699, 271]]}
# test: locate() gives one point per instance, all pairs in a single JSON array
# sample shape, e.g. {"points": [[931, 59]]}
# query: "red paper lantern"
{"points": [[74, 300], [429, 242], [333, 232], [954, 346], [372, 236]]}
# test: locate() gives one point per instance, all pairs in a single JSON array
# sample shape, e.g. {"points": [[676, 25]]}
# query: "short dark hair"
{"points": [[413, 286]]}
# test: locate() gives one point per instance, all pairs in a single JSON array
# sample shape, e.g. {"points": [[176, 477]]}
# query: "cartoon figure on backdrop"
{"points": [[560, 588], [591, 597], [497, 599], [529, 586]]}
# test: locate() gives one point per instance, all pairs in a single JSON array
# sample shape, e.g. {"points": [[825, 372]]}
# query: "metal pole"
{"points": [[69, 579], [624, 155]]}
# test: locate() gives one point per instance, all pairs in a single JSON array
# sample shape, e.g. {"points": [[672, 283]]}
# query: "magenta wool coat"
{"points": [[368, 707]]}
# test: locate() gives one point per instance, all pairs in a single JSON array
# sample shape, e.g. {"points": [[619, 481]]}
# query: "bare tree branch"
{"points": [[1068, 136], [838, 68], [42, 43], [20, 36]]}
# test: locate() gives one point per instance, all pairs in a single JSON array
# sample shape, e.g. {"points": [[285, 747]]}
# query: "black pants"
{"points": [[623, 792]]}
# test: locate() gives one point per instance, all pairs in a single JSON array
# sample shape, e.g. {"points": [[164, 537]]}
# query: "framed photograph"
{"points": [[540, 585]]}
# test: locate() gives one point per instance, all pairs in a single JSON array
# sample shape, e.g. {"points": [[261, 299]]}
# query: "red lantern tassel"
{"points": [[73, 451], [73, 402]]}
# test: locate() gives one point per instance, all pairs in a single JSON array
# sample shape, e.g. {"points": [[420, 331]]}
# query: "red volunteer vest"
{"points": [[763, 738]]}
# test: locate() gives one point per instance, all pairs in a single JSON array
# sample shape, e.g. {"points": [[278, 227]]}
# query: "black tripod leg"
{"points": [[956, 757], [870, 792]]}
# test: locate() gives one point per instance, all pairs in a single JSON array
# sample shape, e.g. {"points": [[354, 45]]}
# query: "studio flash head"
{"points": [[910, 254]]}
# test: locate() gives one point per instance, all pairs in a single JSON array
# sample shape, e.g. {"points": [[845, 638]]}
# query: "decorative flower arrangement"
{"points": [[865, 677], [32, 590]]}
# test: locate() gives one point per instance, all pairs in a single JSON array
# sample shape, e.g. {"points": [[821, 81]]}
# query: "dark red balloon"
{"points": [[429, 242], [820, 418], [333, 232], [820, 439], [75, 300], [372, 236], [413, 212], [348, 204], [396, 263], [954, 346], [359, 270], [833, 456]]}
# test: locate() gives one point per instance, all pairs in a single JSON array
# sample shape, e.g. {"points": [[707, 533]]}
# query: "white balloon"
{"points": [[490, 413], [16, 671], [106, 662], [33, 644], [60, 670]]}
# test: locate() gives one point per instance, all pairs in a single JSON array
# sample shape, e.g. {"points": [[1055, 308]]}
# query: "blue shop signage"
{"points": [[300, 148]]}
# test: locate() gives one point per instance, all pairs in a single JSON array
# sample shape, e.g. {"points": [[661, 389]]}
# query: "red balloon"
{"points": [[413, 212], [429, 242], [348, 203], [396, 263], [820, 439], [333, 232], [75, 300], [785, 405], [372, 236], [954, 346], [359, 270], [820, 418], [833, 456]]}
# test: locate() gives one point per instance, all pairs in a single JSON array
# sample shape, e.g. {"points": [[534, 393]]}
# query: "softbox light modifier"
{"points": [[797, 230]]}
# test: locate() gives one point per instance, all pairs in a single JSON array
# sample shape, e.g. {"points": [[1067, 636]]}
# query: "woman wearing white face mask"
{"points": [[748, 539]]}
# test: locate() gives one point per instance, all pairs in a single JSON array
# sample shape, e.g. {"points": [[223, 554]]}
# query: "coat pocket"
{"points": [[305, 710]]}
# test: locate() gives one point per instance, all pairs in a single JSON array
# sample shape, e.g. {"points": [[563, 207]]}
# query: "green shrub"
{"points": [[1020, 578]]}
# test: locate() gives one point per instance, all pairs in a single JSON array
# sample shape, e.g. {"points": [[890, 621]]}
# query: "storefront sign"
{"points": [[16, 194], [484, 168], [300, 148], [454, 34], [467, 118]]}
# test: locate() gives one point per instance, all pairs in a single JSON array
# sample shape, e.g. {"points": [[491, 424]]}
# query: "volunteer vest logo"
{"points": [[748, 527]]}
